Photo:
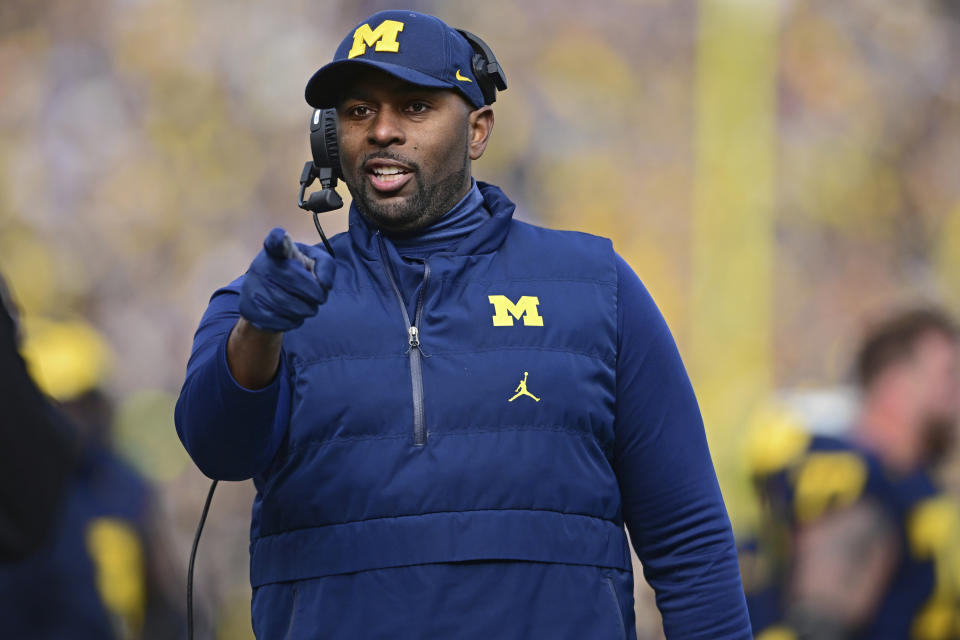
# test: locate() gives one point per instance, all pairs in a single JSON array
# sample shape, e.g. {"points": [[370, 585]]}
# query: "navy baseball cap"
{"points": [[414, 47]]}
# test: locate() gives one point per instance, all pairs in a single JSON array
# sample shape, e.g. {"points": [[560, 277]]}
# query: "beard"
{"points": [[425, 205], [940, 434]]}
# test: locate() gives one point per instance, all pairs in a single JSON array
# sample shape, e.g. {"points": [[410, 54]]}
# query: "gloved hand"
{"points": [[278, 292]]}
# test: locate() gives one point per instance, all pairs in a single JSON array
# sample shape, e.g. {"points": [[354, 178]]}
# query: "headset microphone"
{"points": [[324, 167]]}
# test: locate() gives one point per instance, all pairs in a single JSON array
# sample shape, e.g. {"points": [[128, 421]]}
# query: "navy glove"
{"points": [[279, 292]]}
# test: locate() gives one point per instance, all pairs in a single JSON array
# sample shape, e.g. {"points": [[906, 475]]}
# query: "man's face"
{"points": [[405, 150], [935, 369]]}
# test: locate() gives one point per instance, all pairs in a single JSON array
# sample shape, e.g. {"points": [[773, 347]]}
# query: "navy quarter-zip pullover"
{"points": [[459, 459]]}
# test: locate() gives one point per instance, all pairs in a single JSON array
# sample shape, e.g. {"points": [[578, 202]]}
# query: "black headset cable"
{"points": [[193, 557]]}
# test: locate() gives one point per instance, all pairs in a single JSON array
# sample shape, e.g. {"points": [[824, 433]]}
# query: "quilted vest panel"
{"points": [[516, 376]]}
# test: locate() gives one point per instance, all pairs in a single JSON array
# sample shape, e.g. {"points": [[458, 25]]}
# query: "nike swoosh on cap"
{"points": [[462, 78]]}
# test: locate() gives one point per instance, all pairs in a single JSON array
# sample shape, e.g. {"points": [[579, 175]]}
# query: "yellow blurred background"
{"points": [[778, 173]]}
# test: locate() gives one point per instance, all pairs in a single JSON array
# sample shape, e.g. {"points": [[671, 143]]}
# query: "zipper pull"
{"points": [[414, 337]]}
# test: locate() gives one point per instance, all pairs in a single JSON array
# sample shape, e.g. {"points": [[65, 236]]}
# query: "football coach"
{"points": [[449, 423]]}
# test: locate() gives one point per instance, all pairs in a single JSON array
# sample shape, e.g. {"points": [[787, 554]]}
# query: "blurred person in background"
{"points": [[858, 541], [103, 572], [36, 449], [449, 424]]}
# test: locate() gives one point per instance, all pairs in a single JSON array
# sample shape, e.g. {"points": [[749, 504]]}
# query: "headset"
{"points": [[325, 167], [488, 72]]}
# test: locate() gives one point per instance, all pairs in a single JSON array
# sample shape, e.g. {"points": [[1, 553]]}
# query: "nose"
{"points": [[386, 129]]}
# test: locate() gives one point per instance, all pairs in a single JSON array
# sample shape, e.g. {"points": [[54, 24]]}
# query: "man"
{"points": [[871, 547], [401, 493]]}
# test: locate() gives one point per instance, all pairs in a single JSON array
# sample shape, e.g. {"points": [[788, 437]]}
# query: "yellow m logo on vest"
{"points": [[526, 308], [384, 37]]}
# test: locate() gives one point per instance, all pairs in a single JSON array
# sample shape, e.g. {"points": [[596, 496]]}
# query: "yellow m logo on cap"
{"points": [[526, 308], [384, 37]]}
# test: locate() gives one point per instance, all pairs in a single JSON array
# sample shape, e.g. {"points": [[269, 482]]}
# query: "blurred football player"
{"points": [[860, 542], [101, 573], [36, 448]]}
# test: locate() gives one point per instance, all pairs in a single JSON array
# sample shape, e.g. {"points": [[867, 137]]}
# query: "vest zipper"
{"points": [[413, 339]]}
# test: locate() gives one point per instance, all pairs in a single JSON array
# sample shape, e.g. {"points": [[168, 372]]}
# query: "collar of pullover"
{"points": [[444, 234], [477, 224]]}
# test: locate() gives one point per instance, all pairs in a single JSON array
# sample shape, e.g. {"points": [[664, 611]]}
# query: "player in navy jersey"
{"points": [[857, 539]]}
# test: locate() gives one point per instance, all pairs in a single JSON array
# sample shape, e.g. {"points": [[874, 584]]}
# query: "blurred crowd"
{"points": [[147, 145]]}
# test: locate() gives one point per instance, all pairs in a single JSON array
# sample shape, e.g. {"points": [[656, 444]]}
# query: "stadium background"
{"points": [[778, 173]]}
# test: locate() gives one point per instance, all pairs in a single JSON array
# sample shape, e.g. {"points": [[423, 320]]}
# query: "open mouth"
{"points": [[388, 177]]}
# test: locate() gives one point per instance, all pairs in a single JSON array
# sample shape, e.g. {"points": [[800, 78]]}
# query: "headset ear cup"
{"points": [[329, 120], [483, 78], [323, 140], [488, 72]]}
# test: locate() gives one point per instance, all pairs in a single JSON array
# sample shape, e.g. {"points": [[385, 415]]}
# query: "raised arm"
{"points": [[234, 405], [230, 431], [671, 500]]}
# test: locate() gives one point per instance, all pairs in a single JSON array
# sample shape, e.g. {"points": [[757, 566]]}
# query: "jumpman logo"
{"points": [[522, 390]]}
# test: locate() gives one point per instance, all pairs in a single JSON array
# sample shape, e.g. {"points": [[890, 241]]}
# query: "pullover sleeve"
{"points": [[230, 432], [671, 500]]}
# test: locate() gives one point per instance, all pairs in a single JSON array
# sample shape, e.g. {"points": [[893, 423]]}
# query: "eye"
{"points": [[358, 111], [418, 106]]}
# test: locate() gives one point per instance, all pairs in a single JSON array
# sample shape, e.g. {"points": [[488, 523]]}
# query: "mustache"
{"points": [[390, 155]]}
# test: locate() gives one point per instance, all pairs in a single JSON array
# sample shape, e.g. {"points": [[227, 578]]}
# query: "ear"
{"points": [[480, 123]]}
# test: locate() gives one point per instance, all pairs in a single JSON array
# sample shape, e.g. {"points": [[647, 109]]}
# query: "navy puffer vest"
{"points": [[479, 426]]}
